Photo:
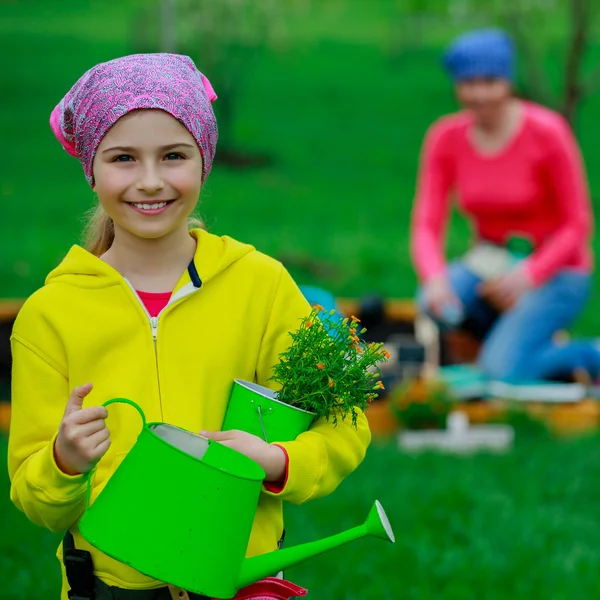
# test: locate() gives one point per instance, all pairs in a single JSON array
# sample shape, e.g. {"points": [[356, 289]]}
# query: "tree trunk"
{"points": [[168, 21], [573, 91]]}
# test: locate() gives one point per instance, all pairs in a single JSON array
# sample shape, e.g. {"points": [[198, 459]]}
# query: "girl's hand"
{"points": [[83, 438], [504, 292], [270, 458], [440, 297]]}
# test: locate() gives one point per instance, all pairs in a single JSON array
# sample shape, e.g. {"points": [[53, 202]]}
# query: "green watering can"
{"points": [[196, 538]]}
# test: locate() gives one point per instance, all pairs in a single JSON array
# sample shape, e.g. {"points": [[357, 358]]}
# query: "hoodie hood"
{"points": [[213, 255]]}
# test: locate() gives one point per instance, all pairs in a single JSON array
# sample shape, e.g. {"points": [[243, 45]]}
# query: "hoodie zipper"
{"points": [[187, 290], [154, 326]]}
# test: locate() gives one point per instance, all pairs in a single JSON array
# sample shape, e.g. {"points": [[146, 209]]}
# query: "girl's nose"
{"points": [[150, 181]]}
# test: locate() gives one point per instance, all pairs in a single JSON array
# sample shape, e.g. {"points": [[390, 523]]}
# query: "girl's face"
{"points": [[148, 174], [484, 96]]}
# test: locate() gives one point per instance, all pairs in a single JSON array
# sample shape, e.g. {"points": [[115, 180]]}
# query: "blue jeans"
{"points": [[518, 344]]}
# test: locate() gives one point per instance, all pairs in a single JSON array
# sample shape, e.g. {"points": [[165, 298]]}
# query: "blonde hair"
{"points": [[99, 230]]}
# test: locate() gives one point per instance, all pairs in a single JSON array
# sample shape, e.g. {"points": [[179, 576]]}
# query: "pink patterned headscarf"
{"points": [[105, 93]]}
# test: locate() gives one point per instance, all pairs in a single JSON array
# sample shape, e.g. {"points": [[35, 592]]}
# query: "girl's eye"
{"points": [[122, 158], [174, 156]]}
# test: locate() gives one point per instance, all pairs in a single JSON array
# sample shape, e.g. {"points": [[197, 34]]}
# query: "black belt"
{"points": [[86, 586]]}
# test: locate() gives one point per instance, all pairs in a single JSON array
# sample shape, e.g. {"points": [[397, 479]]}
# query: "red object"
{"points": [[535, 187], [271, 588], [277, 486], [154, 301]]}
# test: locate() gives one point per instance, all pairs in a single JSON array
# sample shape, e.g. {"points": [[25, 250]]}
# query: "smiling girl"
{"points": [[157, 312]]}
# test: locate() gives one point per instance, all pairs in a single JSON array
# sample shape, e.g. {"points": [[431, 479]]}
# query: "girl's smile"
{"points": [[151, 208]]}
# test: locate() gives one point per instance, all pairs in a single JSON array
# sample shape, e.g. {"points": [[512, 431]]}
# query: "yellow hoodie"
{"points": [[228, 318]]}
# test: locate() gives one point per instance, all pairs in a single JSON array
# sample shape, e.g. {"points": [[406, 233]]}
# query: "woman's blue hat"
{"points": [[481, 53]]}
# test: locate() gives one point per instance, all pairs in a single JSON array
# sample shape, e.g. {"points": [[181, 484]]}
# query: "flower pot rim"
{"points": [[268, 393]]}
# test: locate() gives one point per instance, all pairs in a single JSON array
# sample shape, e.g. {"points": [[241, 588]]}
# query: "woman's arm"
{"points": [[319, 459], [566, 173], [430, 213]]}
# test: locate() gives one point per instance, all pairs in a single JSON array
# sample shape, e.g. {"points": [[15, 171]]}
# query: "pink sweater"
{"points": [[534, 187]]}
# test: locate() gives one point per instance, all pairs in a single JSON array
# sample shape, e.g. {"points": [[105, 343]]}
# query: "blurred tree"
{"points": [[577, 21], [409, 29], [577, 87], [538, 27], [168, 26], [225, 38]]}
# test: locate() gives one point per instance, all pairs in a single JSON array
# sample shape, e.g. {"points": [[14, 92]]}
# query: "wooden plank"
{"points": [[396, 309], [4, 416], [9, 309]]}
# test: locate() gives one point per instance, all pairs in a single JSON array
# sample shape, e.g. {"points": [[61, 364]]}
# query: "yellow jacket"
{"points": [[228, 318]]}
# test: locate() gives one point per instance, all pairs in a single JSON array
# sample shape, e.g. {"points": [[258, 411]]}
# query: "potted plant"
{"points": [[327, 372], [421, 404]]}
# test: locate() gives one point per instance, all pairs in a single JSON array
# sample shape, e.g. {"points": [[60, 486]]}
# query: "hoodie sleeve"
{"points": [[432, 202], [319, 459], [40, 391]]}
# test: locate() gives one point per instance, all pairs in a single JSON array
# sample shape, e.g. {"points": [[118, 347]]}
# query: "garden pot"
{"points": [[255, 409]]}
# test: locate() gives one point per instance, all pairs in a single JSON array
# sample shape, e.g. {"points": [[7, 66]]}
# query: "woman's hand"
{"points": [[83, 437], [440, 297], [504, 292], [271, 458]]}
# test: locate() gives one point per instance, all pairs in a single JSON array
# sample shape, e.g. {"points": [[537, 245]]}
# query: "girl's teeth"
{"points": [[150, 206]]}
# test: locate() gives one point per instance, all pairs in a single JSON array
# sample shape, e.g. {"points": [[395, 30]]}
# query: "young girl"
{"points": [[154, 312]]}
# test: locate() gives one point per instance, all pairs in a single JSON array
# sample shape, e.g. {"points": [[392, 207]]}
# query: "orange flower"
{"points": [[320, 366], [309, 324], [318, 307], [380, 385], [355, 319], [353, 330], [331, 383], [386, 354]]}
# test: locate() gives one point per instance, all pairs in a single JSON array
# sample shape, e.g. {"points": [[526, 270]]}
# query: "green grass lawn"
{"points": [[522, 526]]}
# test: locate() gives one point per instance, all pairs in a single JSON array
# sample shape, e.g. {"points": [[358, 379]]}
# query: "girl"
{"points": [[517, 172], [154, 312]]}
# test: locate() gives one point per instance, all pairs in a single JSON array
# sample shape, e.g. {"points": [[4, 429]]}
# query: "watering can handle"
{"points": [[89, 474]]}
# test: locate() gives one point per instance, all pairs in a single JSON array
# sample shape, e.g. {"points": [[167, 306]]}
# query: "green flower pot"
{"points": [[255, 409]]}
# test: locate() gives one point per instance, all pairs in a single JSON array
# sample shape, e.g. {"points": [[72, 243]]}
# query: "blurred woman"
{"points": [[517, 175]]}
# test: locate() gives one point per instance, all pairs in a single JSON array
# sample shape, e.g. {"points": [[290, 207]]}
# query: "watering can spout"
{"points": [[269, 564]]}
